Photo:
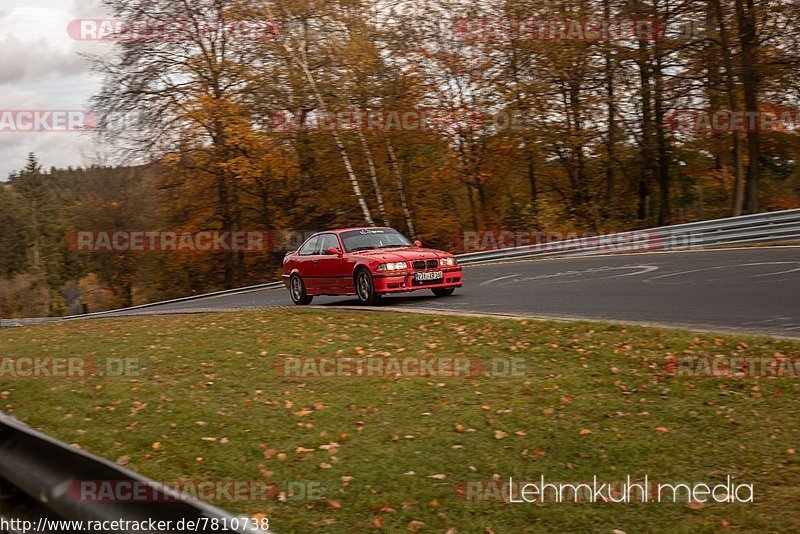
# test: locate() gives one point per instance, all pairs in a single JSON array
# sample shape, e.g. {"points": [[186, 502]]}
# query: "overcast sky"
{"points": [[40, 69]]}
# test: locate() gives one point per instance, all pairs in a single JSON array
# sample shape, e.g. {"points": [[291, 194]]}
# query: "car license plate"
{"points": [[427, 277]]}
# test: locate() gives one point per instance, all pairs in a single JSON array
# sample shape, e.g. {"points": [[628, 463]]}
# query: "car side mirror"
{"points": [[418, 243], [333, 251]]}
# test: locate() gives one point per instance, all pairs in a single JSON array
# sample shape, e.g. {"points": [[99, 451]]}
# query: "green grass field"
{"points": [[395, 453]]}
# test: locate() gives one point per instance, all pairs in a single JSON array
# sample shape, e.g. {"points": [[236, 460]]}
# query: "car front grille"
{"points": [[421, 265]]}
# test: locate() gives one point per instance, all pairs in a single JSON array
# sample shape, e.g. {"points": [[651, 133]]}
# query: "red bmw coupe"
{"points": [[368, 263]]}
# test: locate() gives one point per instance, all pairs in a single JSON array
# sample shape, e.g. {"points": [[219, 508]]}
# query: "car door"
{"points": [[306, 262], [329, 267]]}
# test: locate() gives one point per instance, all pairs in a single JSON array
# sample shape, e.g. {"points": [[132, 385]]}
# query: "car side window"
{"points": [[310, 248], [327, 241]]}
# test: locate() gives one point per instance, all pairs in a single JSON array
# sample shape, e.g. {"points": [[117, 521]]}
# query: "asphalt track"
{"points": [[754, 290]]}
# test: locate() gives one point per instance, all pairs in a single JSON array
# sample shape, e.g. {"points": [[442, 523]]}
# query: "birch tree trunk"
{"points": [[373, 176], [302, 61], [400, 189]]}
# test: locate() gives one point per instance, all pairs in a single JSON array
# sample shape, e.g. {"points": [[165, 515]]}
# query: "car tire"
{"points": [[443, 291], [365, 289], [298, 291]]}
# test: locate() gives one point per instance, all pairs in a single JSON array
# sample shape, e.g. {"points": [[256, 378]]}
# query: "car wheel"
{"points": [[298, 290], [365, 288], [443, 291]]}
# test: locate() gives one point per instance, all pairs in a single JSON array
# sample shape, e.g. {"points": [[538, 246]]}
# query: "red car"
{"points": [[368, 263]]}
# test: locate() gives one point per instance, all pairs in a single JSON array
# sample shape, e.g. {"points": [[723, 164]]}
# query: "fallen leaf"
{"points": [[585, 432], [415, 526]]}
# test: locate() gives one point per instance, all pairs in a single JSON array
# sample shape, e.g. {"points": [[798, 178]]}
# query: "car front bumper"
{"points": [[404, 282]]}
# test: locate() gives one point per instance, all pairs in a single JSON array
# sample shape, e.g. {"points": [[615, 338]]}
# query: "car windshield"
{"points": [[374, 238]]}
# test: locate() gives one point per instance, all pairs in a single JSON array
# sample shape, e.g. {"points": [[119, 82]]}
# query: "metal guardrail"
{"points": [[46, 469], [763, 228]]}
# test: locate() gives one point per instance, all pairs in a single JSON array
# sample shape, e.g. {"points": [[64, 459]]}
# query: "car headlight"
{"points": [[447, 262], [398, 266]]}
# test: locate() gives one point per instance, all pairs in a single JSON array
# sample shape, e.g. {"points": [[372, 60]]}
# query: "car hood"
{"points": [[402, 254]]}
